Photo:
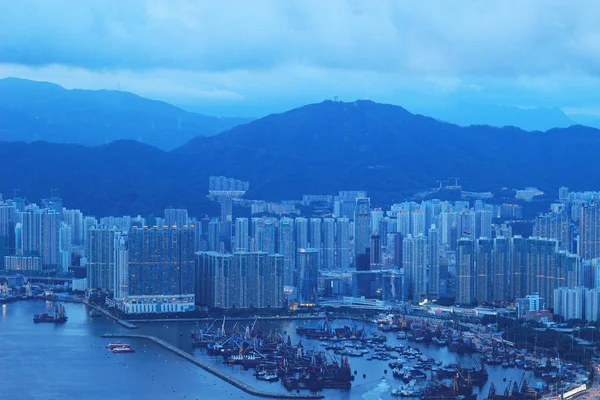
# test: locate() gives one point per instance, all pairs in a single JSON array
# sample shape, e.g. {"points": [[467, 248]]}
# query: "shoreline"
{"points": [[232, 381]]}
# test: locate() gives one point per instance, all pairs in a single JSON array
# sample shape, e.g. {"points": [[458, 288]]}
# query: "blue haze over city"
{"points": [[302, 199]]}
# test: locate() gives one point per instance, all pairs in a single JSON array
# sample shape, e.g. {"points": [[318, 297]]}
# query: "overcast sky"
{"points": [[254, 57]]}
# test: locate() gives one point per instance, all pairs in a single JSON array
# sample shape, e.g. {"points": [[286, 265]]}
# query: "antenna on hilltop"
{"points": [[335, 99]]}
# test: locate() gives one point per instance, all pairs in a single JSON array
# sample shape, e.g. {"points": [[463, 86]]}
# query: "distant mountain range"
{"points": [[529, 119], [31, 111], [318, 148]]}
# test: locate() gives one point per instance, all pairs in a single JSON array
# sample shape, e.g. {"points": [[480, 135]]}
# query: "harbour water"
{"points": [[70, 361]]}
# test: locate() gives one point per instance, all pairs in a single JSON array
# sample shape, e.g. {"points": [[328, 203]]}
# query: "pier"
{"points": [[124, 323], [232, 381]]}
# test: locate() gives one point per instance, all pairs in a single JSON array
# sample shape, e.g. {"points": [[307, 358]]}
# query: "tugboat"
{"points": [[59, 316]]}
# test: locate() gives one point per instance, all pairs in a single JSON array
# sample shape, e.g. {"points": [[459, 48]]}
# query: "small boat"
{"points": [[127, 349], [401, 335], [93, 313], [114, 345], [272, 377]]}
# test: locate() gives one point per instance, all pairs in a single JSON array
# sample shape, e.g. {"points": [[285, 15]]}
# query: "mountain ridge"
{"points": [[31, 110], [319, 148]]}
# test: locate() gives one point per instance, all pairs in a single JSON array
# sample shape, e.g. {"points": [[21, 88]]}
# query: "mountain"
{"points": [[587, 120], [530, 119], [318, 148], [31, 111]]}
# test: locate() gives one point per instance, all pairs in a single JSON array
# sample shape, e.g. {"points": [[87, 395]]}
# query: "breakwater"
{"points": [[126, 324], [232, 381]]}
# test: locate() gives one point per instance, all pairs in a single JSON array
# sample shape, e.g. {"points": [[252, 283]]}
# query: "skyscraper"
{"points": [[362, 225], [433, 261], [342, 240], [315, 233], [8, 216], [241, 235], [465, 272], [74, 218], [121, 261], [414, 261], [308, 273], [301, 232], [240, 280], [483, 220], [501, 270], [483, 270], [287, 248], [161, 270], [328, 258], [589, 231], [376, 262], [214, 235], [101, 259]]}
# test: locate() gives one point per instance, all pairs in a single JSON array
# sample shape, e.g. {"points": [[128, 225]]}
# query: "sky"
{"points": [[251, 58]]}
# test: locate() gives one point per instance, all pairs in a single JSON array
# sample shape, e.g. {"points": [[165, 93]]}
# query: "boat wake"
{"points": [[377, 391]]}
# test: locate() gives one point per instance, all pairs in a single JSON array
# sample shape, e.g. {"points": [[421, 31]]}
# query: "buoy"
{"points": [[364, 375], [385, 371], [355, 372]]}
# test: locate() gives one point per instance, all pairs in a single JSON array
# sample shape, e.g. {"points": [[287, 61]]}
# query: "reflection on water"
{"points": [[69, 361]]}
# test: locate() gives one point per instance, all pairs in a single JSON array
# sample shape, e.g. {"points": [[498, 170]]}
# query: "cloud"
{"points": [[235, 51]]}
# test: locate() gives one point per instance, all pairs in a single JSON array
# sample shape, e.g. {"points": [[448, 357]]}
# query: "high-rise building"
{"points": [[540, 270], [483, 270], [101, 259], [65, 246], [74, 218], [315, 233], [307, 261], [398, 247], [414, 261], [242, 239], [177, 217], [433, 262], [376, 262], [418, 223], [362, 225], [287, 248], [301, 232], [161, 270], [121, 261], [501, 270], [240, 280], [518, 257], [465, 272], [403, 222], [483, 220], [328, 229], [8, 219], [589, 231], [214, 235], [342, 240], [554, 225], [569, 302]]}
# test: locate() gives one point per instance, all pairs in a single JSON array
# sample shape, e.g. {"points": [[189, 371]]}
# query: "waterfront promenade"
{"points": [[232, 381]]}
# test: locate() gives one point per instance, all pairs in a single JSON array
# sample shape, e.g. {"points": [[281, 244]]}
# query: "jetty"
{"points": [[232, 381], [122, 322]]}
